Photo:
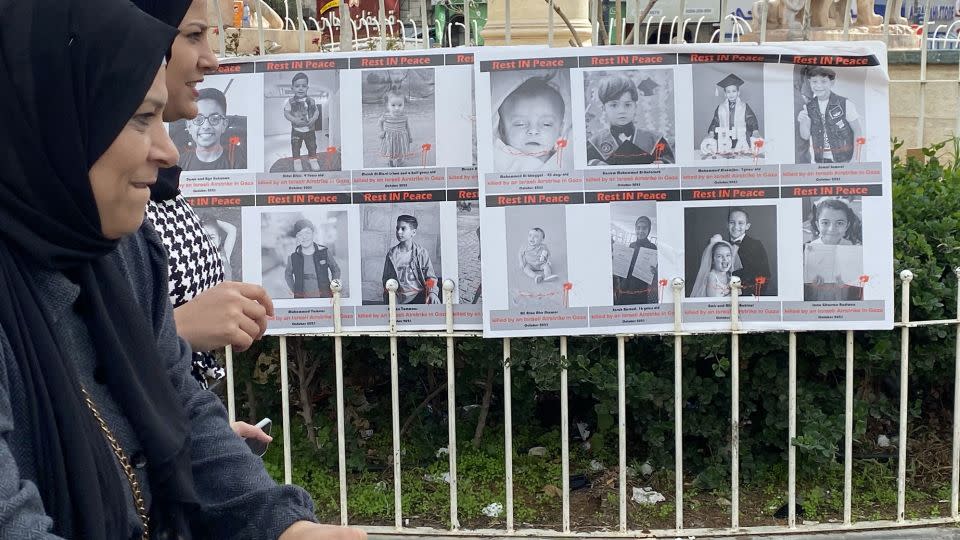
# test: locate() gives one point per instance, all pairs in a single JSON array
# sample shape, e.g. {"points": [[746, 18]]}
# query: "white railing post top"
{"points": [[677, 283], [393, 285], [956, 270], [448, 285], [336, 285], [735, 282], [906, 276]]}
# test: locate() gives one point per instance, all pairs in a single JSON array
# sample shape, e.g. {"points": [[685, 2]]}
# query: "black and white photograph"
{"points": [[536, 246], [222, 226], [217, 139], [301, 121], [302, 252], [633, 245], [401, 242], [832, 248], [531, 120], [399, 118], [728, 115], [629, 117], [828, 103], [725, 241], [468, 251]]}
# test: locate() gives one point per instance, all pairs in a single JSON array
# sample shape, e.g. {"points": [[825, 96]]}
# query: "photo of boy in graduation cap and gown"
{"points": [[622, 142], [734, 127]]}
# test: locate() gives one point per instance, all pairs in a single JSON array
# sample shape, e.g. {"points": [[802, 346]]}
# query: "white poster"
{"points": [[607, 173], [357, 167]]}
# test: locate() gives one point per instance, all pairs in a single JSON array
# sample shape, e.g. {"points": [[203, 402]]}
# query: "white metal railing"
{"points": [[350, 40]]}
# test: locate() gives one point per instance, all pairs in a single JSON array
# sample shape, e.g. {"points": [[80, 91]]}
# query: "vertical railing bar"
{"points": [[508, 432], [764, 13], [466, 23], [622, 429], [382, 25], [221, 31], [451, 403], [337, 288], [734, 402], [550, 29], [425, 24], [346, 28], [848, 435], [506, 31], [886, 23], [565, 434], [616, 26], [302, 30], [922, 119], [285, 411], [724, 6], [955, 456], [678, 399], [846, 20], [231, 389], [594, 22], [792, 430], [683, 12], [905, 277], [392, 286], [636, 22], [263, 50]]}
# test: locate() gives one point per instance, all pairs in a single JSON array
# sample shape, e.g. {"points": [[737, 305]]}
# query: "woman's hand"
{"points": [[231, 313], [247, 431], [306, 530]]}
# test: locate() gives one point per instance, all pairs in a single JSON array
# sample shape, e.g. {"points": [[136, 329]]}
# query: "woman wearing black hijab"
{"points": [[211, 313], [103, 434]]}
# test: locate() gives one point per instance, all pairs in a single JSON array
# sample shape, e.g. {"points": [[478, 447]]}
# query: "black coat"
{"points": [[753, 257]]}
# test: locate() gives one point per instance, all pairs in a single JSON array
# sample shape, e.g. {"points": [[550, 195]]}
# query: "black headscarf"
{"points": [[72, 73], [172, 13]]}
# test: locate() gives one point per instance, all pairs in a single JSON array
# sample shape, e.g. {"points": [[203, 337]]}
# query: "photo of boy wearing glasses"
{"points": [[210, 150]]}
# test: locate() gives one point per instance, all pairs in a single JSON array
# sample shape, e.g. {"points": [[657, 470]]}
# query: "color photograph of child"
{"points": [[399, 118], [222, 227], [536, 256], [302, 252], [531, 120], [401, 242], [629, 117], [728, 113], [832, 248], [302, 121]]}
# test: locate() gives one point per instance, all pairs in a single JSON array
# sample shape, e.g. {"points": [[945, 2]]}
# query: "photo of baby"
{"points": [[629, 117], [302, 123], [222, 227], [399, 118], [728, 112], [401, 242], [725, 241], [531, 121], [833, 248], [536, 256], [302, 252], [214, 140]]}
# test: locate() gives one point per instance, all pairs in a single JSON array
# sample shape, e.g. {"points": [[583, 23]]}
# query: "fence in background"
{"points": [[350, 39]]}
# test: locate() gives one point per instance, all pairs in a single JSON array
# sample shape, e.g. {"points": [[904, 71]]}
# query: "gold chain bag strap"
{"points": [[124, 464]]}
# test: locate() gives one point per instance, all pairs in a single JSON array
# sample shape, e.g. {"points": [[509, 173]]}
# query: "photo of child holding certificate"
{"points": [[632, 225], [833, 249], [629, 117], [728, 110]]}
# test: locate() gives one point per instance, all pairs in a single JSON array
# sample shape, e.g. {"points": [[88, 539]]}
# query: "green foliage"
{"points": [[926, 215]]}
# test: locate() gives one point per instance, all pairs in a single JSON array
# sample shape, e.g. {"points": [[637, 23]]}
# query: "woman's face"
{"points": [[122, 177], [190, 60], [722, 258], [833, 225]]}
